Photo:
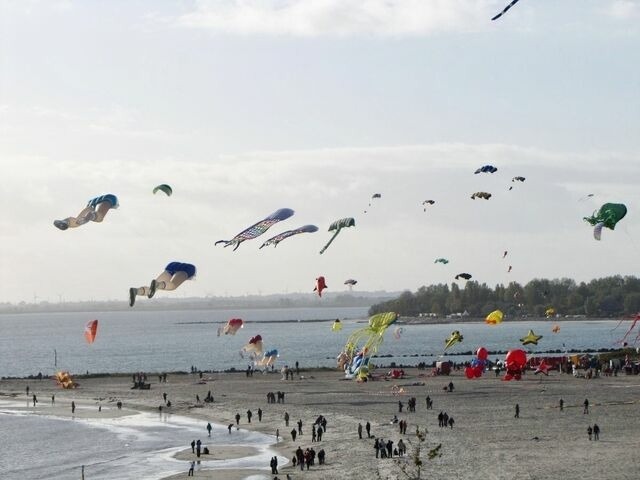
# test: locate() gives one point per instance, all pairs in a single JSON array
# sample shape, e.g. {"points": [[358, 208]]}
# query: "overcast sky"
{"points": [[244, 107]]}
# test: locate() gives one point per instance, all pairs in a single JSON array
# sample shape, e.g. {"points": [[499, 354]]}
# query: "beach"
{"points": [[486, 441]]}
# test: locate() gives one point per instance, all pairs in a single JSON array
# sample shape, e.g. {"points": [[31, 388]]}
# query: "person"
{"points": [[259, 414], [174, 275], [313, 433], [367, 427], [209, 427], [73, 407], [299, 426], [95, 211], [293, 434], [277, 435], [205, 451], [561, 404], [400, 406], [321, 456], [596, 432], [286, 419], [193, 446], [198, 447], [191, 468], [451, 422], [229, 428], [360, 431], [586, 406], [237, 419], [53, 399], [35, 400], [273, 465], [27, 391], [517, 415], [589, 431], [249, 414], [428, 401], [402, 448], [451, 386], [297, 369]]}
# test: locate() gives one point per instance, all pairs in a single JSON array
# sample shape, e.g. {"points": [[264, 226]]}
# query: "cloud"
{"points": [[309, 18]]}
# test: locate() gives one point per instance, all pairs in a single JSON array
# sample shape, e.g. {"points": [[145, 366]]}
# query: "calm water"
{"points": [[175, 340]]}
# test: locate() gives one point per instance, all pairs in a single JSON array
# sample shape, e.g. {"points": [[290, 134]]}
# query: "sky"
{"points": [[248, 106]]}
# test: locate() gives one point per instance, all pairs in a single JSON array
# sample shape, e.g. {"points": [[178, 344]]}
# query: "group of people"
{"points": [[385, 449], [444, 420], [277, 397], [595, 430], [307, 457]]}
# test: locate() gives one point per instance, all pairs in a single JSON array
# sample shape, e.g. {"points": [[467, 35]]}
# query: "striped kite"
{"points": [[337, 226], [258, 228], [281, 236], [505, 10]]}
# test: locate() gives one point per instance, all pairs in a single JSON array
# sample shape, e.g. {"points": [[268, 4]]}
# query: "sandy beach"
{"points": [[486, 440]]}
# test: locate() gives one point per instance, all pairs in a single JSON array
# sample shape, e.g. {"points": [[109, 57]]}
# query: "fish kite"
{"points": [[258, 229], [163, 188], [444, 261], [90, 331], [513, 2], [486, 169], [607, 216], [454, 338], [484, 195], [530, 338], [337, 226], [494, 318], [320, 285], [281, 236], [466, 276], [231, 327]]}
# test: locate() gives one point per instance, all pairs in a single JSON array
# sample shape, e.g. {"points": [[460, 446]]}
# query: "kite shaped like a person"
{"points": [[258, 228], [95, 211], [174, 275]]}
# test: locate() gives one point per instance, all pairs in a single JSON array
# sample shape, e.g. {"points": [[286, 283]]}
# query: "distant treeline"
{"points": [[604, 297]]}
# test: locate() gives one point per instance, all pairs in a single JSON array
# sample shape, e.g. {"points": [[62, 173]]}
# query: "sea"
{"points": [[141, 446]]}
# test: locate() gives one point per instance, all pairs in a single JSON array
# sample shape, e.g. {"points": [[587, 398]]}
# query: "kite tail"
{"points": [[330, 240], [223, 241]]}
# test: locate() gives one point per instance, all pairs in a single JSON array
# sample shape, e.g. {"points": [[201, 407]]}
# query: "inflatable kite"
{"points": [[478, 364], [466, 276], [444, 261], [484, 195], [397, 333], [231, 327], [337, 226], [486, 169], [505, 253], [364, 343], [90, 331], [281, 236], [163, 188], [174, 275], [555, 328], [268, 358], [530, 338], [550, 312], [515, 363], [608, 216], [336, 326], [454, 338], [509, 269], [257, 229], [513, 2], [95, 211], [254, 346], [543, 368], [427, 202], [320, 286], [351, 282], [64, 380], [494, 318]]}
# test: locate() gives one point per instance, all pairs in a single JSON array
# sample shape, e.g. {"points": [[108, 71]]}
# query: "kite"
{"points": [[515, 362], [555, 328], [585, 197], [350, 282], [427, 202], [231, 327], [320, 285], [374, 196], [90, 331], [268, 358], [444, 261], [281, 236], [513, 2], [486, 169], [530, 338], [363, 343], [509, 270], [257, 229], [505, 253], [607, 216], [397, 333], [95, 211], [174, 275], [550, 312], [337, 325], [636, 319], [484, 195], [543, 368], [64, 380], [337, 226], [518, 179], [466, 276], [163, 188], [494, 318], [478, 364], [454, 338], [254, 346]]}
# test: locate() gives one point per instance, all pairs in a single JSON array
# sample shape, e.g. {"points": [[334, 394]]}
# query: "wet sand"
{"points": [[486, 442]]}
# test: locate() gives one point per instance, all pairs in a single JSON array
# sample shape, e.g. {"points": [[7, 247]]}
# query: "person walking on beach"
{"points": [[440, 417], [286, 419], [27, 391], [589, 431], [586, 406], [517, 415], [259, 414], [367, 427], [313, 433], [451, 422], [191, 468], [209, 427], [237, 419], [73, 407], [400, 406], [450, 386], [198, 448], [277, 435], [293, 434], [299, 426], [193, 446], [596, 432], [35, 400], [249, 415], [561, 404], [360, 431], [53, 399], [229, 428]]}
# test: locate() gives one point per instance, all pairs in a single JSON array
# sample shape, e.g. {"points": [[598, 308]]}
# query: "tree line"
{"points": [[603, 297]]}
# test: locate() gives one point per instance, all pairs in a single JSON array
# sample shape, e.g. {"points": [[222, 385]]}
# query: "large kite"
{"points": [[231, 327], [268, 358], [466, 276], [320, 285], [513, 2], [607, 216], [64, 380], [174, 275], [444, 261], [253, 347], [454, 338], [530, 338], [484, 195], [258, 229], [281, 236], [486, 169], [337, 226], [95, 211], [494, 318], [90, 331], [515, 363], [163, 188]]}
